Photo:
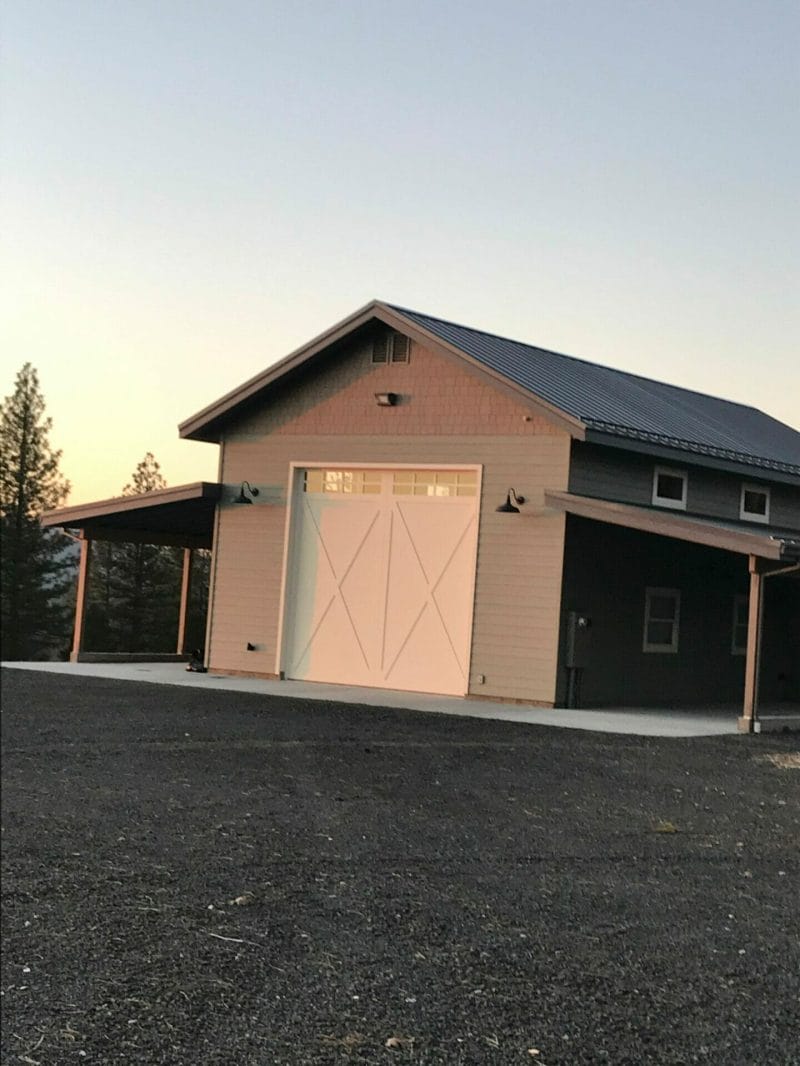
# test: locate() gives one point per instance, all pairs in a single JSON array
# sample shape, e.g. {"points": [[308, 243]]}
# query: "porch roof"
{"points": [[766, 542], [182, 516]]}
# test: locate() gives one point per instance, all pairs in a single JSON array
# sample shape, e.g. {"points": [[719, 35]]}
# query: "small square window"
{"points": [[669, 487], [754, 504], [662, 608], [741, 610]]}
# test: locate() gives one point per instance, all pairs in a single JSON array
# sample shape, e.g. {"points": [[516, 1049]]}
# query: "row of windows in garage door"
{"points": [[403, 482]]}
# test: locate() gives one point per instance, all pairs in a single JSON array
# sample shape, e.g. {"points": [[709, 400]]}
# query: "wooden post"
{"points": [[186, 588], [81, 597], [748, 722]]}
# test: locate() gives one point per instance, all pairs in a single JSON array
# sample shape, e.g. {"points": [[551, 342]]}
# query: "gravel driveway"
{"points": [[202, 878]]}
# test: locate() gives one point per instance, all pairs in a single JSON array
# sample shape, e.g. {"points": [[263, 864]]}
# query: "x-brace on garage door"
{"points": [[381, 578]]}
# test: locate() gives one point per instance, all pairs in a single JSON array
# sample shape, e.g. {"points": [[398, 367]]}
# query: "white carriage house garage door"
{"points": [[381, 578]]}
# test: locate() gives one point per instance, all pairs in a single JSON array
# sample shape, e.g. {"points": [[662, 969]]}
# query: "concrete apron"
{"points": [[649, 722]]}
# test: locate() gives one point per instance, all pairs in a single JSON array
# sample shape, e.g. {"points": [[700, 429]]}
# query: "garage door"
{"points": [[382, 575]]}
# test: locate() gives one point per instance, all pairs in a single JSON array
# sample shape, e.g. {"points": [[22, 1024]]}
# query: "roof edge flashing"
{"points": [[661, 446]]}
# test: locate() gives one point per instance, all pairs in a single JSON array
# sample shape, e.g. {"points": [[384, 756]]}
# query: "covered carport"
{"points": [[610, 558], [180, 517]]}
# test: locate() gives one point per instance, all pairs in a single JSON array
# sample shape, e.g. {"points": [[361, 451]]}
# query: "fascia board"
{"points": [[66, 516], [192, 427]]}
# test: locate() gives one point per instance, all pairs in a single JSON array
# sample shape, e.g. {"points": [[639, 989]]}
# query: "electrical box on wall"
{"points": [[579, 626]]}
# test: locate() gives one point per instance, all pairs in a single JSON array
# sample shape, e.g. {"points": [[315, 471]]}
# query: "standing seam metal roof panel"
{"points": [[627, 405]]}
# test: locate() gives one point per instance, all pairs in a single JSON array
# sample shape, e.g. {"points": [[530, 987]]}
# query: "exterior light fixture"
{"points": [[242, 498], [508, 507], [386, 399]]}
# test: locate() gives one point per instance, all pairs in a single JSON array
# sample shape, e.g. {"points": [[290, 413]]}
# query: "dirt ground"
{"points": [[198, 878]]}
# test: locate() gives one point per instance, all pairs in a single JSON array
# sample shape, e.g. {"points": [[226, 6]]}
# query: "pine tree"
{"points": [[34, 561], [147, 477], [134, 588], [147, 578]]}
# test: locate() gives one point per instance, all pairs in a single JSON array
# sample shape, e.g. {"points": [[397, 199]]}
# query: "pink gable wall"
{"points": [[437, 396]]}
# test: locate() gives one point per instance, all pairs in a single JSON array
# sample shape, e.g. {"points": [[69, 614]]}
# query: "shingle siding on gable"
{"points": [[453, 418], [437, 396], [616, 474]]}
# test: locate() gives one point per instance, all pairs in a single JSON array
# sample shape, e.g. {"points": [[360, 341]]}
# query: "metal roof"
{"points": [[619, 404]]}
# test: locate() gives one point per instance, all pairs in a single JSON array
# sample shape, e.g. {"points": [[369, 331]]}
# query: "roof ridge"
{"points": [[580, 359]]}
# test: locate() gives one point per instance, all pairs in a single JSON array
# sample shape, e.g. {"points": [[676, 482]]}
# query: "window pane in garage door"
{"points": [[343, 481], [435, 483]]}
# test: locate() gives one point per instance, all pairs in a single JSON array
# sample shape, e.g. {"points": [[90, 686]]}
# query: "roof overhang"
{"points": [[182, 516], [728, 536], [684, 452], [208, 424]]}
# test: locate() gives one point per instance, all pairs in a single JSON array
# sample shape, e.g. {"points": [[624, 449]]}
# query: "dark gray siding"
{"points": [[780, 653], [606, 572], [616, 474]]}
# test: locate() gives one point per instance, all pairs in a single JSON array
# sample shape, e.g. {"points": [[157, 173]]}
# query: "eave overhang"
{"points": [[729, 536], [182, 516], [680, 451]]}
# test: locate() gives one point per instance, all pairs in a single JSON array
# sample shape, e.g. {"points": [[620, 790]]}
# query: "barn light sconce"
{"points": [[386, 399], [242, 498], [508, 507]]}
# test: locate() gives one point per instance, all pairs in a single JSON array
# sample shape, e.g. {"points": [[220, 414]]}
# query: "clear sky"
{"points": [[193, 189]]}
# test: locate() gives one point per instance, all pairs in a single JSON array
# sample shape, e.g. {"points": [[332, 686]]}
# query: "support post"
{"points": [[186, 588], [82, 597], [748, 723]]}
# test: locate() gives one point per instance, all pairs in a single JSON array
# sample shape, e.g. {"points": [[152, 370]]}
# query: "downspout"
{"points": [[748, 723]]}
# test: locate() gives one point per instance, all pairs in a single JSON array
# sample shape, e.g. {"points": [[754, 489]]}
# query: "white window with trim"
{"points": [[669, 487], [754, 503], [662, 610], [741, 611]]}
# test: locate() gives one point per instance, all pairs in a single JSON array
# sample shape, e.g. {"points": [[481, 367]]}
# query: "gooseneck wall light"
{"points": [[510, 507], [242, 497]]}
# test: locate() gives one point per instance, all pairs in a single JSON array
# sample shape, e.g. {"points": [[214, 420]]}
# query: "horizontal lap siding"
{"points": [[518, 580], [246, 575], [616, 474]]}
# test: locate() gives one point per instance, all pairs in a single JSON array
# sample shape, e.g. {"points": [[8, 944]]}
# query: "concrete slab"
{"points": [[778, 723], [629, 720]]}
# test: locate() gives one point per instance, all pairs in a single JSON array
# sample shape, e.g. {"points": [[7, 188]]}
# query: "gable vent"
{"points": [[391, 348]]}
